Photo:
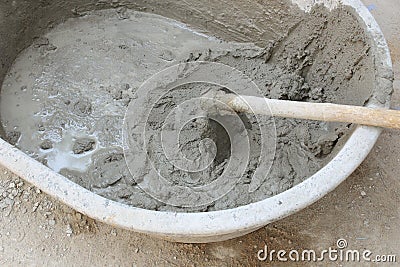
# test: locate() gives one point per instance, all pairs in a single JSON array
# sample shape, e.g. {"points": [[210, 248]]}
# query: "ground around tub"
{"points": [[36, 230]]}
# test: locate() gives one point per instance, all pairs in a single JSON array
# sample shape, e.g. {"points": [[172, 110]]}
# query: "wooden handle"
{"points": [[314, 111]]}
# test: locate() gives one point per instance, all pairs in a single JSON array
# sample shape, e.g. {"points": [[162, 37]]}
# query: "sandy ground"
{"points": [[364, 210]]}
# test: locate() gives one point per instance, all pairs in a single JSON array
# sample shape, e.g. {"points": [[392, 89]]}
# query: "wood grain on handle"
{"points": [[315, 111]]}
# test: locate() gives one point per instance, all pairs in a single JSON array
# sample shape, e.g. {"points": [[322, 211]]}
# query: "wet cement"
{"points": [[64, 99]]}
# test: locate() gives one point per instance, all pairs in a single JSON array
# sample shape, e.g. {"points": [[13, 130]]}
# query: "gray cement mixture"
{"points": [[64, 99]]}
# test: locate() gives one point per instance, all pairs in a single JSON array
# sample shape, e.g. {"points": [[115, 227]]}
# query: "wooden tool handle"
{"points": [[315, 111]]}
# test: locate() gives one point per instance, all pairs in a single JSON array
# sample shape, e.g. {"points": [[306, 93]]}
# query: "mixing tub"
{"points": [[21, 22]]}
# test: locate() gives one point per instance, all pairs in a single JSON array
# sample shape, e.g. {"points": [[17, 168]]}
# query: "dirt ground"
{"points": [[364, 210]]}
